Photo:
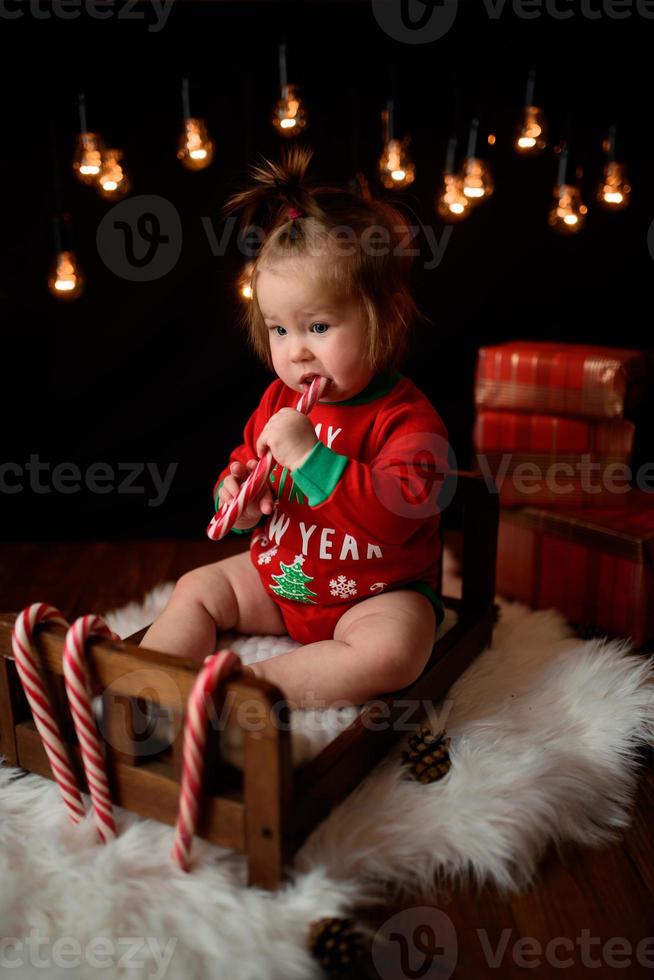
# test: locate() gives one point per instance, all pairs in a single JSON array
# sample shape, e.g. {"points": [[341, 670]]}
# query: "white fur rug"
{"points": [[545, 732]]}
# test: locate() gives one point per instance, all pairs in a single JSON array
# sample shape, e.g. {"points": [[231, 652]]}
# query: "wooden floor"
{"points": [[606, 896]]}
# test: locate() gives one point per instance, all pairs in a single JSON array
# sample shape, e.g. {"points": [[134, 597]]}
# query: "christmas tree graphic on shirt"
{"points": [[291, 584]]}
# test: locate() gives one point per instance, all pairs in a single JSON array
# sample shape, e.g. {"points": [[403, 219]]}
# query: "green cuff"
{"points": [[319, 473], [236, 530]]}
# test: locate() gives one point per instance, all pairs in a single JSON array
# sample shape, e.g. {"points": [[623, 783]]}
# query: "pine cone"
{"points": [[428, 758], [337, 946]]}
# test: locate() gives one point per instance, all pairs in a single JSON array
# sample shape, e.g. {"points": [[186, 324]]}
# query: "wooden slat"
{"points": [[268, 794], [149, 790], [8, 720]]}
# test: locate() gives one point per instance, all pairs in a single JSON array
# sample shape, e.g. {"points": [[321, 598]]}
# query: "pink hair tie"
{"points": [[294, 213]]}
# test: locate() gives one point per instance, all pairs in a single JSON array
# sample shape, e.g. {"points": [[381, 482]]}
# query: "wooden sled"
{"points": [[266, 810]]}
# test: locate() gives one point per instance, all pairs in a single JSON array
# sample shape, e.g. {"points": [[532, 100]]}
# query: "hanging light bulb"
{"points": [[245, 282], [614, 191], [477, 181], [87, 159], [196, 148], [451, 203], [531, 134], [396, 168], [568, 213], [65, 280], [113, 182], [289, 115]]}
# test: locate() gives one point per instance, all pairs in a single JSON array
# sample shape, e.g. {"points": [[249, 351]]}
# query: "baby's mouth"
{"points": [[308, 378]]}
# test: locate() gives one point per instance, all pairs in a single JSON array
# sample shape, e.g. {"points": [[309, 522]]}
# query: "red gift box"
{"points": [[546, 480], [555, 378], [504, 431], [594, 566]]}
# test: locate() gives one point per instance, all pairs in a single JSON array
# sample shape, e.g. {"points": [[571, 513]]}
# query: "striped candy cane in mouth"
{"points": [[224, 520]]}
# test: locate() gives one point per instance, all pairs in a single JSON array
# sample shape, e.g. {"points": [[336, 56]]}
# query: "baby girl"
{"points": [[345, 548]]}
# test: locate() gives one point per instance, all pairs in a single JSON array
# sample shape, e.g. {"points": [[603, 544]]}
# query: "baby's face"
{"points": [[312, 333]]}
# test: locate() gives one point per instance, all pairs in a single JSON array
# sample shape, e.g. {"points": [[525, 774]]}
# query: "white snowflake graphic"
{"points": [[266, 556], [342, 587]]}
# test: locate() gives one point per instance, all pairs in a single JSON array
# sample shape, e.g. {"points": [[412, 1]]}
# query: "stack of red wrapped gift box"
{"points": [[554, 437]]}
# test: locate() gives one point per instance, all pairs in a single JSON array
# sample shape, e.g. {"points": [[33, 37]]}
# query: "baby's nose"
{"points": [[300, 351]]}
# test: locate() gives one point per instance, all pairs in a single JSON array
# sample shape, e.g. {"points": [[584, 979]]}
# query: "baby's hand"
{"points": [[290, 436], [263, 504]]}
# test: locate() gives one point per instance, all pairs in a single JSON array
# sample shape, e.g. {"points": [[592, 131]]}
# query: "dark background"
{"points": [[159, 371]]}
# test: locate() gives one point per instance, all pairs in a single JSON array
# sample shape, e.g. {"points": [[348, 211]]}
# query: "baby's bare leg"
{"points": [[225, 595], [380, 645]]}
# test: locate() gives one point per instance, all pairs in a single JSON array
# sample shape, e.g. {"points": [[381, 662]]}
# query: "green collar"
{"points": [[377, 387]]}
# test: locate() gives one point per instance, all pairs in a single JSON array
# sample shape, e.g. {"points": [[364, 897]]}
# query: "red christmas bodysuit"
{"points": [[360, 516]]}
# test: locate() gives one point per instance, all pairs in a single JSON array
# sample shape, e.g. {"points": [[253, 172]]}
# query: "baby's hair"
{"points": [[375, 269]]}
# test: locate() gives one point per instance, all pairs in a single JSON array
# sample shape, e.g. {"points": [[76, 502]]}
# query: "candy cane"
{"points": [[79, 698], [39, 701], [216, 667], [224, 520]]}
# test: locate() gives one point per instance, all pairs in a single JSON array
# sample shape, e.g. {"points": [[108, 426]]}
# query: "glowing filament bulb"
{"points": [[396, 168], [452, 204], [65, 280], [113, 181], [477, 181], [614, 191], [531, 135], [245, 282], [289, 116], [569, 212], [196, 149], [87, 162]]}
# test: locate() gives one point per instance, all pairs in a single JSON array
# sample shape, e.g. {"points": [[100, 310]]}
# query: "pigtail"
{"points": [[277, 188]]}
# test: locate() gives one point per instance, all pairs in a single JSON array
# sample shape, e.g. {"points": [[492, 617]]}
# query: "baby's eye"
{"points": [[278, 328], [325, 325]]}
